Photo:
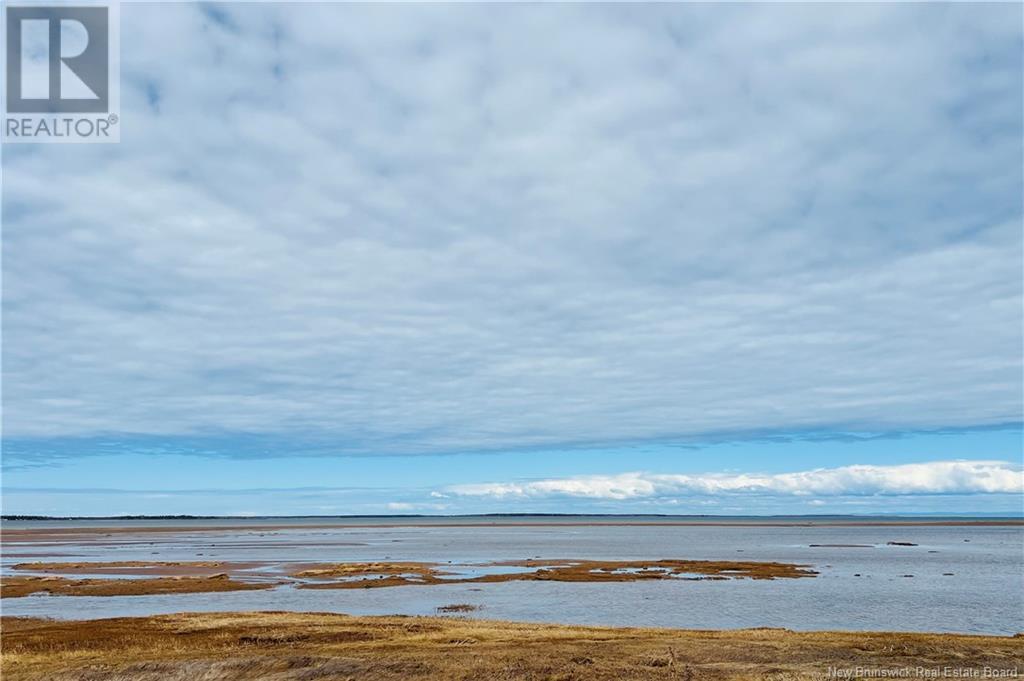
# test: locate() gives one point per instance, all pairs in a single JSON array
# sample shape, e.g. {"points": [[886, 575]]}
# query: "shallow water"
{"points": [[984, 594]]}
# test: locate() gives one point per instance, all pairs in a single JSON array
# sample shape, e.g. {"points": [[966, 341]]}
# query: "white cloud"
{"points": [[410, 506], [937, 477], [426, 228]]}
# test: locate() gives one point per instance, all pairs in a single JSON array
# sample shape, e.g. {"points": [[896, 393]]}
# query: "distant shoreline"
{"points": [[667, 516], [62, 526]]}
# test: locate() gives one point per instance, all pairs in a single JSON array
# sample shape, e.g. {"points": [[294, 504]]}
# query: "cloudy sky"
{"points": [[452, 258]]}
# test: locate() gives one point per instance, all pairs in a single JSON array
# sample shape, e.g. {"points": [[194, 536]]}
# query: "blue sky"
{"points": [[323, 485], [436, 258]]}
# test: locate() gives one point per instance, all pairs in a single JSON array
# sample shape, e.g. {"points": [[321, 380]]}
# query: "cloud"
{"points": [[97, 501], [425, 228], [938, 477], [410, 506]]}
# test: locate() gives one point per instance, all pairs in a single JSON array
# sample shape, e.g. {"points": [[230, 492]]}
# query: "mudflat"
{"points": [[620, 576], [288, 647]]}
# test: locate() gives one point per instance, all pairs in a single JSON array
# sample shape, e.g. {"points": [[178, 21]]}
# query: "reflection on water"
{"points": [[958, 579]]}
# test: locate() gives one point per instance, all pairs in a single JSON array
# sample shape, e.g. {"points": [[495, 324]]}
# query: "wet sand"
{"points": [[294, 647]]}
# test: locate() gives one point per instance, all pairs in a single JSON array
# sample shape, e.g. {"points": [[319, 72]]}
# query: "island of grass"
{"points": [[145, 578], [383, 574], [15, 587]]}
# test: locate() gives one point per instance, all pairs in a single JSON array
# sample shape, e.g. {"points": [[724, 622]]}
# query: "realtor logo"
{"points": [[61, 68], [73, 77]]}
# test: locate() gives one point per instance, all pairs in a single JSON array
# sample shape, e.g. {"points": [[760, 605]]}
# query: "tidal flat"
{"points": [[805, 574]]}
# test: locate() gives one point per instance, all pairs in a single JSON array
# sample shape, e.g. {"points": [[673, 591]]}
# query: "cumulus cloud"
{"points": [[937, 477], [434, 228]]}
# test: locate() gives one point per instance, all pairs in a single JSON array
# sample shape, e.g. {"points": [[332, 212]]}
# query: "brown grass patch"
{"points": [[381, 574], [13, 587], [139, 567], [305, 647]]}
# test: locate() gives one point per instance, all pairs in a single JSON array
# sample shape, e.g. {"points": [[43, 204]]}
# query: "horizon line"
{"points": [[967, 514]]}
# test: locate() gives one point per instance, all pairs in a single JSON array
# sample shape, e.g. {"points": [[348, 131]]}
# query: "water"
{"points": [[861, 585]]}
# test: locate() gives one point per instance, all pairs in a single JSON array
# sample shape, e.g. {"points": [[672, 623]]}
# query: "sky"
{"points": [[437, 258]]}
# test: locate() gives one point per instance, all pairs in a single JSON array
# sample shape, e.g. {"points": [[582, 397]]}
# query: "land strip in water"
{"points": [[96, 531], [371, 575], [135, 578], [14, 587]]}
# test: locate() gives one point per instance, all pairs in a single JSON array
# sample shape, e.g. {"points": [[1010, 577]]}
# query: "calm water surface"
{"points": [[984, 593]]}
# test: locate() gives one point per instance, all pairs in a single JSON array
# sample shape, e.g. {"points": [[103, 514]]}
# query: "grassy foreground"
{"points": [[306, 647]]}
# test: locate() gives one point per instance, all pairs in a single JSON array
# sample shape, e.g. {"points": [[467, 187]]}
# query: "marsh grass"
{"points": [[385, 574], [16, 586], [307, 647]]}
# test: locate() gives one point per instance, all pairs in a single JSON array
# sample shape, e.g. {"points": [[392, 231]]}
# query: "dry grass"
{"points": [[307, 647], [211, 576], [382, 574], [141, 567], [114, 565], [14, 587]]}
